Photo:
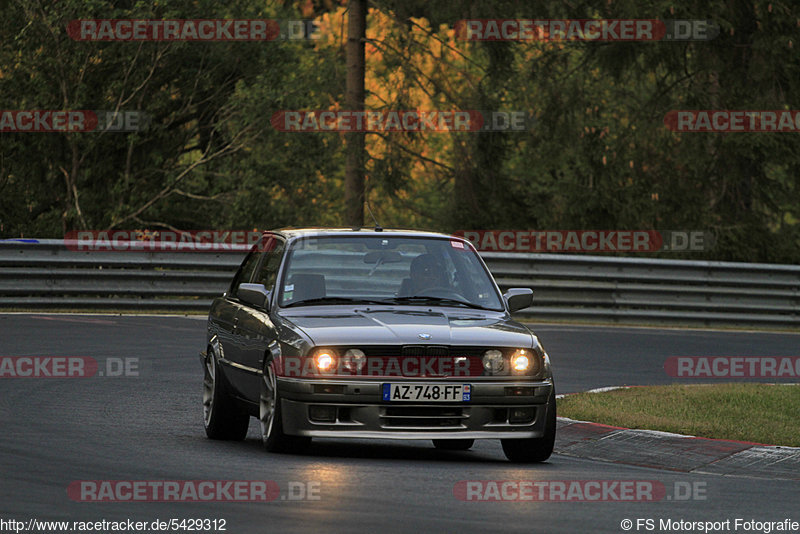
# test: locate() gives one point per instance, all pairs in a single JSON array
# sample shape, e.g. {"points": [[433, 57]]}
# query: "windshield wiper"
{"points": [[440, 300], [333, 300]]}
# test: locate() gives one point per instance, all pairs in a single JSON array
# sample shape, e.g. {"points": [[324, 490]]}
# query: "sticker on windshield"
{"points": [[457, 244], [289, 287]]}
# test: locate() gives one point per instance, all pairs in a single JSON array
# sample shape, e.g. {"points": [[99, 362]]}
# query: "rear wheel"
{"points": [[271, 418], [222, 418], [453, 444], [534, 449]]}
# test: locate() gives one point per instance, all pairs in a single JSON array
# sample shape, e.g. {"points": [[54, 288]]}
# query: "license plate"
{"points": [[427, 392]]}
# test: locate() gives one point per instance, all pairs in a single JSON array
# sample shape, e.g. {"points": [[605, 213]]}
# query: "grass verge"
{"points": [[760, 413]]}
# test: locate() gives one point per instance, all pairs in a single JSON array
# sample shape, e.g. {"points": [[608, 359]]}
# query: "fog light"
{"points": [[322, 414], [520, 391], [329, 389], [493, 361], [521, 415]]}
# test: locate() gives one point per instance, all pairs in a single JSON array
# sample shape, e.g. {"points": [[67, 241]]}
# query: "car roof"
{"points": [[291, 233]]}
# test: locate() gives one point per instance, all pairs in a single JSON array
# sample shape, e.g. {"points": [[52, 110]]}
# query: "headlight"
{"points": [[325, 360], [354, 360], [524, 361], [493, 362], [520, 361]]}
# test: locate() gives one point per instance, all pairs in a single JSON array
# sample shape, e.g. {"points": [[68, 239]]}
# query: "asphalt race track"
{"points": [[56, 431]]}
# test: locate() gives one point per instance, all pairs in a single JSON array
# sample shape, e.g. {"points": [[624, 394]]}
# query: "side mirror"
{"points": [[518, 298], [254, 294]]}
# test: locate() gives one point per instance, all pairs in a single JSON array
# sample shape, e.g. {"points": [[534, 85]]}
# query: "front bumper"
{"points": [[356, 409]]}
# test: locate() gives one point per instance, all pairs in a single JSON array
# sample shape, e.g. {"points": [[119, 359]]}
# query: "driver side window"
{"points": [[246, 270], [268, 274]]}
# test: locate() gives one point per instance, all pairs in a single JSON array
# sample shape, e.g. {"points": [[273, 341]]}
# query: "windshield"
{"points": [[386, 269]]}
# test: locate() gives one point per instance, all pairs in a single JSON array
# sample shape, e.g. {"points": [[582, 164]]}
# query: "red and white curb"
{"points": [[675, 452]]}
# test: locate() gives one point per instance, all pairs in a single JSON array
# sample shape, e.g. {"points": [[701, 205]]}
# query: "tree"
{"points": [[354, 101]]}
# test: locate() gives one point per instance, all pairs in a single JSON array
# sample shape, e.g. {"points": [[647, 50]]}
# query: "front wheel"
{"points": [[222, 418], [534, 449], [271, 418]]}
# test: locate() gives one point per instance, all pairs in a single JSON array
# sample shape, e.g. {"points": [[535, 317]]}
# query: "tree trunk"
{"points": [[354, 101]]}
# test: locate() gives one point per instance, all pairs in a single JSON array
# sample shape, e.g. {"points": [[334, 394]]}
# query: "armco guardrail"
{"points": [[653, 290], [46, 275]]}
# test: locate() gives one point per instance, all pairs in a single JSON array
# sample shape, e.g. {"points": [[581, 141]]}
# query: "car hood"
{"points": [[409, 326]]}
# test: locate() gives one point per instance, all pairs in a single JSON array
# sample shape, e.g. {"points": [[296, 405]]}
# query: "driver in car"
{"points": [[426, 273]]}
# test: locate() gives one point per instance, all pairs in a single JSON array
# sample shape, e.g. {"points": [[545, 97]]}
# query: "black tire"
{"points": [[453, 444], [532, 450], [270, 418], [222, 418]]}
